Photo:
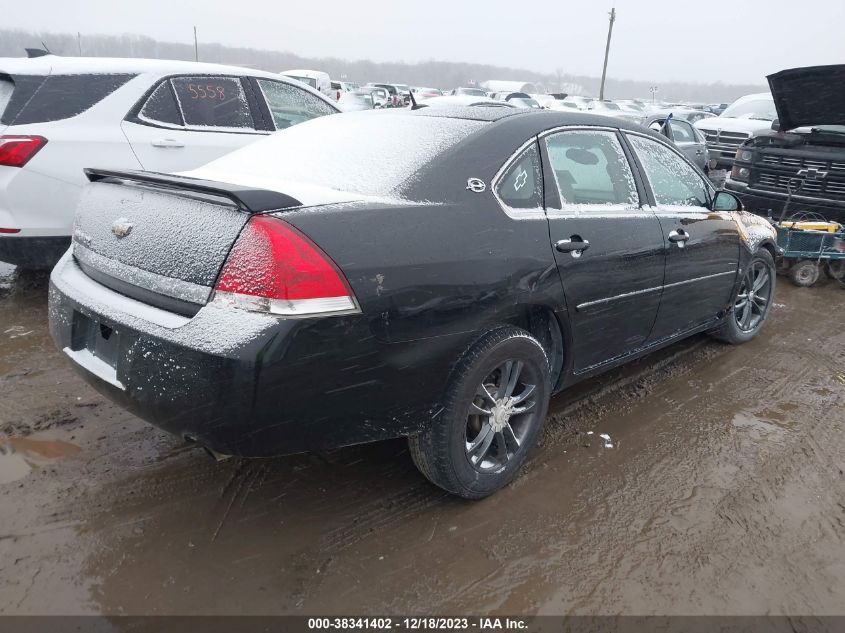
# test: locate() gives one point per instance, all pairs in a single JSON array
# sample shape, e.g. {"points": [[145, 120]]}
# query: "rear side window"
{"points": [[63, 96], [217, 102], [161, 107], [290, 105], [590, 168], [521, 186]]}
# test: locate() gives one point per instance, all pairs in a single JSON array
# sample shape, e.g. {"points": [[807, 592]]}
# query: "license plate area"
{"points": [[95, 346]]}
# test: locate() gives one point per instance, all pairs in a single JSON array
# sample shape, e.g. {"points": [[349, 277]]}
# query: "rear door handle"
{"points": [[167, 142], [574, 245], [679, 237]]}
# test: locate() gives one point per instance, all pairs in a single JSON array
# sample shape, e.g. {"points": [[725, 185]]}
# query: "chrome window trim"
{"points": [[624, 295]]}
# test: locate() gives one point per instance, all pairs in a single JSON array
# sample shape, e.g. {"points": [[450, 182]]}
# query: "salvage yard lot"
{"points": [[720, 489]]}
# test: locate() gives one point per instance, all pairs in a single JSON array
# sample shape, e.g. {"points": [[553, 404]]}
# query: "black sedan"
{"points": [[432, 273]]}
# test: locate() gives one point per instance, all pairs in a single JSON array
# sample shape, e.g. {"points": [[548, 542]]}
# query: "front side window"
{"points": [[521, 186], [590, 168], [673, 181], [212, 102], [290, 105]]}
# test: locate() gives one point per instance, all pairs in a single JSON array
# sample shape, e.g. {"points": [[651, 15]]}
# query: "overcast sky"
{"points": [[733, 41]]}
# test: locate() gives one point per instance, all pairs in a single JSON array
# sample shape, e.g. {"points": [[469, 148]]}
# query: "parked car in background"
{"points": [[718, 108], [581, 103], [685, 114], [421, 92], [609, 108], [246, 347], [804, 151], [354, 101], [518, 99], [468, 91], [742, 119], [397, 99], [451, 101], [339, 87], [682, 133], [61, 114], [404, 91], [381, 97], [562, 104], [316, 79]]}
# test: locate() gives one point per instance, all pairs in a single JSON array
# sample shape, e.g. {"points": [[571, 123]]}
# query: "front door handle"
{"points": [[574, 245], [679, 237], [167, 142]]}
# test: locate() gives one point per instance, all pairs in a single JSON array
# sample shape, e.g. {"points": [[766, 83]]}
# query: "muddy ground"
{"points": [[721, 490]]}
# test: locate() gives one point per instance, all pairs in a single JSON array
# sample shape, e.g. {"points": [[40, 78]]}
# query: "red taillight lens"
{"points": [[275, 268], [15, 151]]}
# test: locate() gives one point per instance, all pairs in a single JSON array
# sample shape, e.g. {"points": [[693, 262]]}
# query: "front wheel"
{"points": [[752, 302], [493, 411]]}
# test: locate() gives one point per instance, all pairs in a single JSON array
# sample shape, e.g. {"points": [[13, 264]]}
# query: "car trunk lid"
{"points": [[809, 96], [162, 239]]}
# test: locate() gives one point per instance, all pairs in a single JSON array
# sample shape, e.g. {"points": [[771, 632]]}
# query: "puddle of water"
{"points": [[19, 455], [758, 428]]}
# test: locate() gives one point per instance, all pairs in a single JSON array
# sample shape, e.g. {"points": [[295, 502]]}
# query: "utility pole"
{"points": [[607, 52], [79, 42], [196, 47]]}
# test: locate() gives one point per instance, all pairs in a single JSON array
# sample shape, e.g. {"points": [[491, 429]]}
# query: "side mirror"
{"points": [[726, 201], [776, 125]]}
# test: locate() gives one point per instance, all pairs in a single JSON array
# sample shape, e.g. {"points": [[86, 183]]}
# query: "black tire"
{"points": [[472, 455], [804, 273], [750, 310]]}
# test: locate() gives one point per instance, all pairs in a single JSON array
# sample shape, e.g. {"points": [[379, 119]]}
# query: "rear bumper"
{"points": [[244, 383], [770, 204], [39, 253]]}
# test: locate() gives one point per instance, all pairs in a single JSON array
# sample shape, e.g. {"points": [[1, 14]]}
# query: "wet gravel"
{"points": [[718, 488]]}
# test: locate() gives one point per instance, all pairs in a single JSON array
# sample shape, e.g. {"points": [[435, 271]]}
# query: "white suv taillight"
{"points": [[276, 269], [15, 151]]}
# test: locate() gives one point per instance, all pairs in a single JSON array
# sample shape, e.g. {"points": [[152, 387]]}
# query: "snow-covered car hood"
{"points": [[809, 96], [751, 126]]}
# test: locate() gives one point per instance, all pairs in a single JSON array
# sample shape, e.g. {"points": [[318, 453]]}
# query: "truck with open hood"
{"points": [[803, 154]]}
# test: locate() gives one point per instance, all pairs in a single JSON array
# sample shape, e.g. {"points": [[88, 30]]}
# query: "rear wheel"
{"points": [[493, 412], [804, 273], [752, 302]]}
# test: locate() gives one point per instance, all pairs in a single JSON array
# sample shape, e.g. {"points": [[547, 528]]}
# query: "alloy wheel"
{"points": [[500, 416], [754, 298]]}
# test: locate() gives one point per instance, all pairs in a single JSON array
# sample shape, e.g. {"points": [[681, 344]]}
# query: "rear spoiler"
{"points": [[245, 198]]}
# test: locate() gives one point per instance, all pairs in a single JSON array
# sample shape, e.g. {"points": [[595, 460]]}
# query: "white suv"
{"points": [[59, 115]]}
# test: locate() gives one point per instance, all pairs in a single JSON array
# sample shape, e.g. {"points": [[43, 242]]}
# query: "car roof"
{"points": [[58, 65], [533, 120]]}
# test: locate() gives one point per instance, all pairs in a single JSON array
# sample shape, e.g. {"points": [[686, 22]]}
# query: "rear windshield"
{"points": [[370, 153], [39, 100]]}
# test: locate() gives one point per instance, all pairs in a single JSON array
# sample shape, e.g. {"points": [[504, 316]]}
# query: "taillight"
{"points": [[274, 268], [15, 151]]}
